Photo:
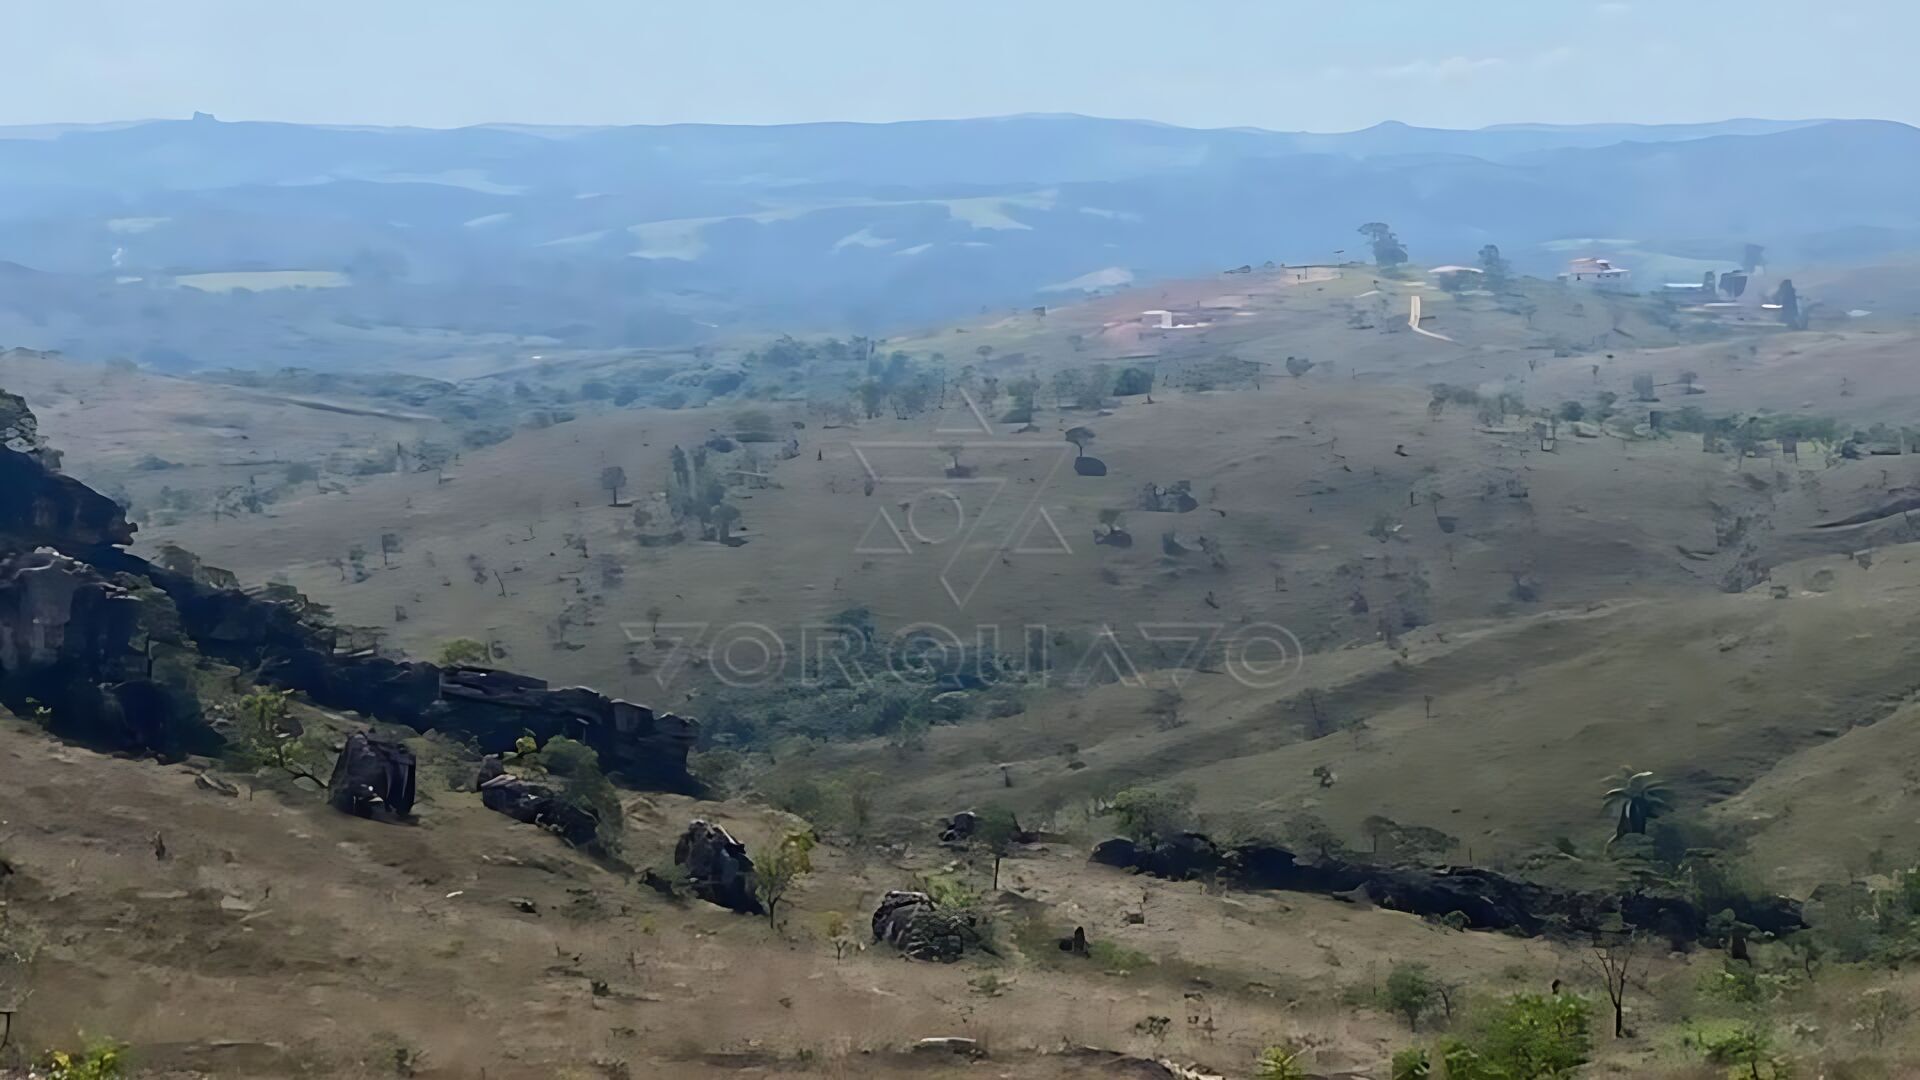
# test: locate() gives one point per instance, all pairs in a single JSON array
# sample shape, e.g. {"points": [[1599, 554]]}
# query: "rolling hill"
{"points": [[450, 243]]}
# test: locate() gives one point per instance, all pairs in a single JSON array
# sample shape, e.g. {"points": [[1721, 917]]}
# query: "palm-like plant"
{"points": [[1635, 799]]}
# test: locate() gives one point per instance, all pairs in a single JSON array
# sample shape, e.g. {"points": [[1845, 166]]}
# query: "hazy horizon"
{"points": [[1238, 63]]}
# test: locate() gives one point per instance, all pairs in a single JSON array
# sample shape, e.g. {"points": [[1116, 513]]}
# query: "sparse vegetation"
{"points": [[776, 876]]}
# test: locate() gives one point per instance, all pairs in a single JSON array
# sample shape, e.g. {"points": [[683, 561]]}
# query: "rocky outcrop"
{"points": [[66, 622], [67, 657], [538, 804], [718, 867], [57, 613], [372, 777], [41, 508], [913, 923], [1482, 899]]}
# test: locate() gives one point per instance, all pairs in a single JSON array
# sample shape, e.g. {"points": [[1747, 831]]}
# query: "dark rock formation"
{"points": [[65, 628], [41, 508], [538, 804], [372, 777], [66, 647], [913, 923], [1486, 900], [718, 867], [959, 828]]}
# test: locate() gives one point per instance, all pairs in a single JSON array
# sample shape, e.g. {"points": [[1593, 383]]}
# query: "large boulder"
{"points": [[959, 828], [718, 866], [919, 927], [372, 777], [538, 804]]}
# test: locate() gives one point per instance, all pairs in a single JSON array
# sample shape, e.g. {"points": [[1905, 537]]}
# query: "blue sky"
{"points": [[1283, 64]]}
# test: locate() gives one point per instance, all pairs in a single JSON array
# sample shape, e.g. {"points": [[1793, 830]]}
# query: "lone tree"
{"points": [[1133, 381], [1298, 366], [1613, 951], [1388, 252], [1635, 799], [1750, 259], [1411, 992], [1150, 815], [791, 861], [1494, 268], [613, 478], [1080, 437], [1643, 388], [997, 832], [389, 547]]}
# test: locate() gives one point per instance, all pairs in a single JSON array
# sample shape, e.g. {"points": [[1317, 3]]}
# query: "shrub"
{"points": [[1411, 1065], [1410, 992], [1281, 1063], [464, 651], [1747, 1051], [1147, 815], [585, 786], [266, 734], [1132, 381], [101, 1060], [1538, 1035]]}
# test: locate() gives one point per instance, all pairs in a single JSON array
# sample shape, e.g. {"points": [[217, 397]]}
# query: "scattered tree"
{"points": [[1133, 381], [1411, 992], [1388, 252], [613, 478], [1150, 815], [1613, 957], [775, 878], [1495, 269], [997, 831]]}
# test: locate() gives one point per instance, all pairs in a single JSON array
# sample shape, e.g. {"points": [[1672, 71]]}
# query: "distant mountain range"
{"points": [[600, 237]]}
